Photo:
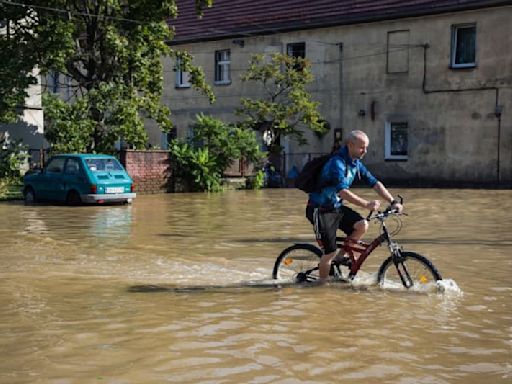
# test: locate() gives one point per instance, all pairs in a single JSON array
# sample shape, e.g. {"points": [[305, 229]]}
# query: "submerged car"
{"points": [[79, 178]]}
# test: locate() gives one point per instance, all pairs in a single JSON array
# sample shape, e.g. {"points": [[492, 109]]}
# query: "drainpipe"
{"points": [[497, 107], [340, 81]]}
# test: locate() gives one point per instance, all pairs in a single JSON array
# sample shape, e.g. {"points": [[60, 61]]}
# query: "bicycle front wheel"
{"points": [[410, 270], [298, 262]]}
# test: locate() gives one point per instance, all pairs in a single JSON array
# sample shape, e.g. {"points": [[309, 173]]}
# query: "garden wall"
{"points": [[150, 170]]}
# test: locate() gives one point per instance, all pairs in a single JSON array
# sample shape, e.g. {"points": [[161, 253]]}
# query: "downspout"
{"points": [[497, 107], [340, 84]]}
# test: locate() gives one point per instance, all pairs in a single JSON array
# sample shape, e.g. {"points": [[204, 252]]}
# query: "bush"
{"points": [[211, 150], [13, 156]]}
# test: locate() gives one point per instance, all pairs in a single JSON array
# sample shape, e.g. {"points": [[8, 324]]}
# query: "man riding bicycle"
{"points": [[325, 209]]}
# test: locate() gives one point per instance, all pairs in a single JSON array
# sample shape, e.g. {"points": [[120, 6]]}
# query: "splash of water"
{"points": [[449, 287]]}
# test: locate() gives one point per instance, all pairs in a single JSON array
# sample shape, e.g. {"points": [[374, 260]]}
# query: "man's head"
{"points": [[357, 143]]}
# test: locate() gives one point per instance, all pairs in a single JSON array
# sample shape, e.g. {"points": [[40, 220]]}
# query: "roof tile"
{"points": [[229, 18]]}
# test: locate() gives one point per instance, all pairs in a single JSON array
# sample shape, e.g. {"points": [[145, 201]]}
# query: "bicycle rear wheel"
{"points": [[410, 270], [297, 263]]}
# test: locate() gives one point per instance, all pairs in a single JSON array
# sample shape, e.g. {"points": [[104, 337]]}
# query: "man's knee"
{"points": [[361, 226]]}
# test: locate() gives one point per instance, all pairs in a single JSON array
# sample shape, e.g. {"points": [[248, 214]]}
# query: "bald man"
{"points": [[326, 209]]}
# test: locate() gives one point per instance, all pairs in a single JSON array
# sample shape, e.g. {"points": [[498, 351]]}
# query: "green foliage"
{"points": [[10, 189], [212, 149], [196, 167], [111, 50], [17, 61], [286, 104], [259, 180], [13, 155]]}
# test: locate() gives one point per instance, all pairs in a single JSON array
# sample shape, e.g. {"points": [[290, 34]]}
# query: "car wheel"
{"points": [[73, 198], [29, 196]]}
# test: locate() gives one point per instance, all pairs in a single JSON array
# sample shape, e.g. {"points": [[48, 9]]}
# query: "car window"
{"points": [[103, 165], [72, 167], [56, 165]]}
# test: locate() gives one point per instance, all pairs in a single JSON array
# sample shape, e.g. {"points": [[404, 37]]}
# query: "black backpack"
{"points": [[308, 178]]}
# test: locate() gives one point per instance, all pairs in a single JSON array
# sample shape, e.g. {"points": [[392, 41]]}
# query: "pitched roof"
{"points": [[238, 18]]}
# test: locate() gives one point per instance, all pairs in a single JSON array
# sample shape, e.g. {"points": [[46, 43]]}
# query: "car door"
{"points": [[51, 184], [74, 177]]}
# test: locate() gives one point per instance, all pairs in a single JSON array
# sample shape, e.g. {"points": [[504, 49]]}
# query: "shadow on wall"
{"points": [[31, 135]]}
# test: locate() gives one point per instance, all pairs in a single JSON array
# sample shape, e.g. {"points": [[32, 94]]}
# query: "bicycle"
{"points": [[299, 262]]}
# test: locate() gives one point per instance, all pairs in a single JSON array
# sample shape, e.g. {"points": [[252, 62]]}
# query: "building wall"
{"points": [[30, 126], [455, 135]]}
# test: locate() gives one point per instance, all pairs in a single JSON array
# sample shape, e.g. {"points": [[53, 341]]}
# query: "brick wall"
{"points": [[150, 170]]}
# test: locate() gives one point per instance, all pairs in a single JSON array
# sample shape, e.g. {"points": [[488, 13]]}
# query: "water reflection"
{"points": [[109, 223]]}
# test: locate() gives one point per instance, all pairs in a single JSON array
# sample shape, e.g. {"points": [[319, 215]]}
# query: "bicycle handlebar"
{"points": [[387, 212]]}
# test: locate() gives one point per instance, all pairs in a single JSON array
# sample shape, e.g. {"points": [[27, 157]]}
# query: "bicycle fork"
{"points": [[400, 265]]}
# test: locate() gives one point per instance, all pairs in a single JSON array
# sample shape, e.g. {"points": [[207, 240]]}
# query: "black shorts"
{"points": [[326, 223]]}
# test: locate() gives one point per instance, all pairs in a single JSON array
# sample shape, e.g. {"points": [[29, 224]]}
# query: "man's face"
{"points": [[358, 147]]}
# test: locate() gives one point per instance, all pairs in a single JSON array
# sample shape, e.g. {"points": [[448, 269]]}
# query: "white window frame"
{"points": [[223, 67], [455, 41], [182, 77], [388, 144]]}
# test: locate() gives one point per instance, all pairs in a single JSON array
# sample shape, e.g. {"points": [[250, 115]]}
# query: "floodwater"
{"points": [[174, 289]]}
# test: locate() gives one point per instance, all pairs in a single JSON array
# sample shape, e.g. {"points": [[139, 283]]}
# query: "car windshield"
{"points": [[105, 164]]}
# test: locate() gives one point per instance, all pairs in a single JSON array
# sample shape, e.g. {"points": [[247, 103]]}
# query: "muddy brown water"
{"points": [[73, 311]]}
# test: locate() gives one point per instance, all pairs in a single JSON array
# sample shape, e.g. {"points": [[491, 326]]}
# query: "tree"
{"points": [[286, 105], [211, 150], [17, 61], [111, 50]]}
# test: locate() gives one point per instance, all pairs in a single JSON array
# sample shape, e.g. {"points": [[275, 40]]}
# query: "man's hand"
{"points": [[373, 205], [397, 207]]}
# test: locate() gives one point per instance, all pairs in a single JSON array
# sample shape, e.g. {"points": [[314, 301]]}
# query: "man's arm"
{"points": [[351, 197], [386, 195], [372, 205], [383, 192]]}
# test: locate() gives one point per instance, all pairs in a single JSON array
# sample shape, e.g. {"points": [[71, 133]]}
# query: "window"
{"points": [[53, 82], [182, 77], [398, 52], [396, 141], [56, 165], [103, 164], [72, 167], [463, 53], [296, 50], [222, 67], [167, 137]]}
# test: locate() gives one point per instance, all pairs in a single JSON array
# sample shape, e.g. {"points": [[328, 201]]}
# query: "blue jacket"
{"points": [[337, 174]]}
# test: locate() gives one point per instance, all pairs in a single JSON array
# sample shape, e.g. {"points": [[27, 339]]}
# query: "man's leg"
{"points": [[325, 225], [360, 229], [324, 266], [328, 223], [353, 224]]}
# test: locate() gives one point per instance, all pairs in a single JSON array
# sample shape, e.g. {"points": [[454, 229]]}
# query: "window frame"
{"points": [[388, 153], [454, 42], [222, 67], [182, 79]]}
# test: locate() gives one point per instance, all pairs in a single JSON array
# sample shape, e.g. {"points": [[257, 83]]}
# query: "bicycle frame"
{"points": [[363, 249]]}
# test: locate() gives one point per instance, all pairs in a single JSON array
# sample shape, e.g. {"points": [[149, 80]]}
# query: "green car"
{"points": [[79, 178]]}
